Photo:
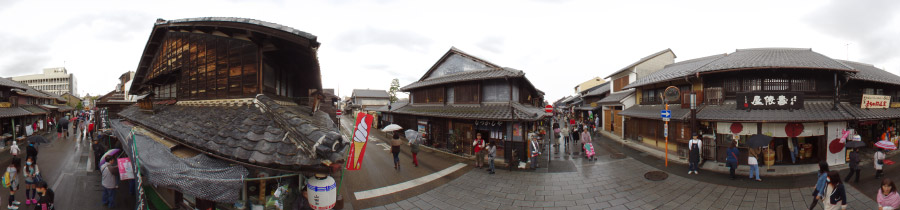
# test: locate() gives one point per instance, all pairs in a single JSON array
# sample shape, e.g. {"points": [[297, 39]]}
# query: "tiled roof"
{"points": [[394, 107], [48, 106], [870, 114], [868, 72], [370, 93], [616, 98], [653, 111], [34, 109], [65, 108], [13, 112], [466, 76], [674, 71], [10, 83], [477, 112], [600, 90], [644, 59], [241, 20], [814, 111], [774, 58], [586, 108], [280, 136]]}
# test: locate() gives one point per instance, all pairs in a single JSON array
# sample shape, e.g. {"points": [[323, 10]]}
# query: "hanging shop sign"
{"points": [[736, 128], [895, 104], [769, 100], [875, 101], [5, 104], [783, 130], [836, 149], [489, 123]]}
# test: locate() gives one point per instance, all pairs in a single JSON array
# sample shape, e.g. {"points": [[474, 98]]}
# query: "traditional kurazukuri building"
{"points": [[794, 95], [223, 101], [462, 95]]}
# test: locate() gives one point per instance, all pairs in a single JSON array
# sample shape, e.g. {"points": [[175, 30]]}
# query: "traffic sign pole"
{"points": [[667, 137]]}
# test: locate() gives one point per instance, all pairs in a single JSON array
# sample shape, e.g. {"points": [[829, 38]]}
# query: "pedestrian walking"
{"points": [[576, 135], [14, 151], [887, 197], [854, 166], [731, 158], [694, 146], [479, 145], [395, 150], [794, 147], [821, 182], [879, 164], [32, 176], [754, 166], [98, 150], [90, 129], [586, 143], [414, 149], [492, 152], [563, 138], [837, 196], [31, 151], [109, 182], [11, 180], [47, 196]]}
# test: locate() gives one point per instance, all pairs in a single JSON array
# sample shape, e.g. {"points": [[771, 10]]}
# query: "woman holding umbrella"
{"points": [[879, 163]]}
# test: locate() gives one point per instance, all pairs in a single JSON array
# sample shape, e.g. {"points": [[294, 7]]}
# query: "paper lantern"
{"points": [[321, 192]]}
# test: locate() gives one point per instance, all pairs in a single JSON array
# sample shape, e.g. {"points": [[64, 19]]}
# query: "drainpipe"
{"points": [[836, 94]]}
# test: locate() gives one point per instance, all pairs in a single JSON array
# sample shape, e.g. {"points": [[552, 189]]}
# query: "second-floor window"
{"points": [[732, 85], [496, 91], [619, 83]]}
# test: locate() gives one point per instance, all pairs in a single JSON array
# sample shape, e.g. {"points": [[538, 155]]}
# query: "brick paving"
{"points": [[606, 184]]}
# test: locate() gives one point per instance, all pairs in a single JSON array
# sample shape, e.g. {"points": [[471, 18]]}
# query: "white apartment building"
{"points": [[54, 80]]}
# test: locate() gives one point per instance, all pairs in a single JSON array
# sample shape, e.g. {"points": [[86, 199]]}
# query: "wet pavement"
{"points": [[64, 166], [611, 183]]}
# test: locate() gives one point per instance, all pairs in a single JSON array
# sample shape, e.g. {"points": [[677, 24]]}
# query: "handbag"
{"points": [[880, 162], [38, 178]]}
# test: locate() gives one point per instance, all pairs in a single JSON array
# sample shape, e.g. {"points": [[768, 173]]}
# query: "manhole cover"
{"points": [[617, 156], [656, 176]]}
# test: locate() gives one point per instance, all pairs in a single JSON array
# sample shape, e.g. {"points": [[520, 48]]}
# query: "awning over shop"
{"points": [[813, 112], [50, 107], [199, 176], [772, 129], [13, 112], [871, 114], [34, 109], [653, 112]]}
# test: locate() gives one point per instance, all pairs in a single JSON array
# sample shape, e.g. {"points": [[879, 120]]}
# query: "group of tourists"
{"points": [[573, 130], [413, 148], [37, 192], [482, 149]]}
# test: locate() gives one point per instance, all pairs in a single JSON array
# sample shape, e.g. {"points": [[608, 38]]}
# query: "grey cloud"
{"points": [[113, 26], [20, 55], [491, 44], [867, 25], [387, 70], [407, 40]]}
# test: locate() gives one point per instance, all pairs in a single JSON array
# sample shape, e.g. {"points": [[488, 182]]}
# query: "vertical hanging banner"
{"points": [[836, 154], [360, 139]]}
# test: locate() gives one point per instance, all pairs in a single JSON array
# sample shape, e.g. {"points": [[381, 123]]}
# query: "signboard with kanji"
{"points": [[875, 101], [769, 100]]}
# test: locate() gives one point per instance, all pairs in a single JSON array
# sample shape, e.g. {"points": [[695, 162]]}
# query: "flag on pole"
{"points": [[360, 139]]}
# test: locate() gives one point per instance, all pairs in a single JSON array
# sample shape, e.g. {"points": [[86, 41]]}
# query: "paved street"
{"points": [[63, 164], [610, 183]]}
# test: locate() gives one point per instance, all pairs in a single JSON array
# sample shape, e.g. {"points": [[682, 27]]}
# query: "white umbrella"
{"points": [[391, 127], [412, 135]]}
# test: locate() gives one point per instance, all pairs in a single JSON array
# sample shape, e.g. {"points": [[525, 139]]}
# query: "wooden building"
{"points": [[620, 97], [242, 96], [794, 95], [461, 95]]}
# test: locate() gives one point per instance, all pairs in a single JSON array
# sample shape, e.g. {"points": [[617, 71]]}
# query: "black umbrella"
{"points": [[37, 139], [855, 144], [64, 123], [759, 140]]}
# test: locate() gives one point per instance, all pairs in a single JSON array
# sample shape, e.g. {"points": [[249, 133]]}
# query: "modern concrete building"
{"points": [[54, 80]]}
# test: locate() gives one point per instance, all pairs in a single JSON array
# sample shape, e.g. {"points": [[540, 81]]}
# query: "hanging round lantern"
{"points": [[793, 129], [737, 128], [322, 192]]}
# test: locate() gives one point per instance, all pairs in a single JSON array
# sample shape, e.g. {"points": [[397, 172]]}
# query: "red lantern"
{"points": [[736, 128], [793, 129]]}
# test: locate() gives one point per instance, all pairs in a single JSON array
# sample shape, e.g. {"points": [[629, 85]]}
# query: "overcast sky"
{"points": [[365, 44]]}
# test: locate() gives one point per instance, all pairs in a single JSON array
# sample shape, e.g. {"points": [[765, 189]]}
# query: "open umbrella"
{"points": [[108, 153], [391, 127], [412, 135], [759, 140], [37, 139], [855, 144], [886, 145]]}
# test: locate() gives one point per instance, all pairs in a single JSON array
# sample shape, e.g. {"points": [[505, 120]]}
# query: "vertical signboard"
{"points": [[836, 151], [360, 139]]}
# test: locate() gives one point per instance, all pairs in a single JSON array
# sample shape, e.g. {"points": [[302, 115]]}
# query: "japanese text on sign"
{"points": [[769, 100], [875, 101]]}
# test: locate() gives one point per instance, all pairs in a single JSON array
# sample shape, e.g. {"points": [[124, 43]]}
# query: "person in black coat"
{"points": [[98, 152], [47, 196], [854, 166]]}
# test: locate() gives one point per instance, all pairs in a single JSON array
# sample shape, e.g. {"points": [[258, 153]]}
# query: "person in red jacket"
{"points": [[91, 130]]}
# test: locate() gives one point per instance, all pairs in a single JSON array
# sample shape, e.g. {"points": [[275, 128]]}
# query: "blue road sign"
{"points": [[665, 113]]}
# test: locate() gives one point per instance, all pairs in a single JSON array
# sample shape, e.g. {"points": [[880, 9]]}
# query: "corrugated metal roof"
{"points": [[674, 71], [868, 72], [774, 58], [493, 73], [644, 59], [370, 93], [616, 98]]}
